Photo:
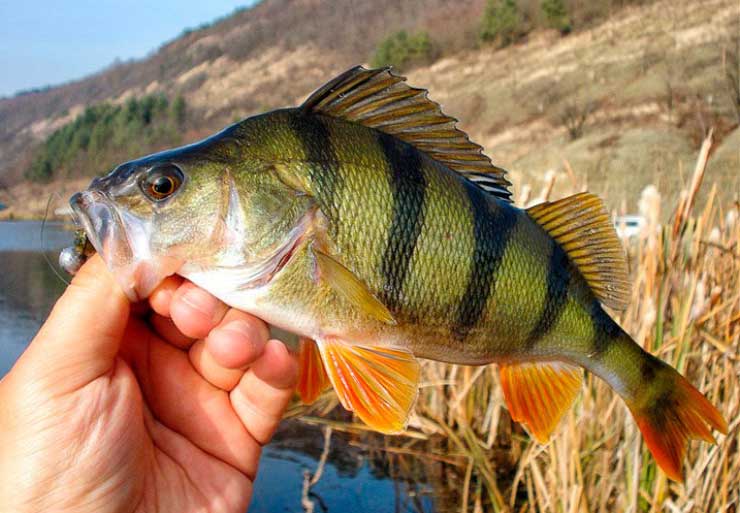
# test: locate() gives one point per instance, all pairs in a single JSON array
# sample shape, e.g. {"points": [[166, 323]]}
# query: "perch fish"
{"points": [[368, 224]]}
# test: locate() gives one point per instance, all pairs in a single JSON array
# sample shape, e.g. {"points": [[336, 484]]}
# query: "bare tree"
{"points": [[574, 115]]}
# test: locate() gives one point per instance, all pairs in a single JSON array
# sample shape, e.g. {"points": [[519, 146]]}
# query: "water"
{"points": [[28, 286], [354, 479]]}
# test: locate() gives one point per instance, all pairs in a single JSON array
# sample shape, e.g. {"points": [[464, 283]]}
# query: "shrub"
{"points": [[574, 116], [556, 15], [502, 22], [403, 50]]}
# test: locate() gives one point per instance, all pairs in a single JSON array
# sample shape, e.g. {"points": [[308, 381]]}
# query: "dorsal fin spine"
{"points": [[368, 106]]}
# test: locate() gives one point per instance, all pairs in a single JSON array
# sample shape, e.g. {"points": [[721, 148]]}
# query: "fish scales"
{"points": [[423, 238], [367, 223]]}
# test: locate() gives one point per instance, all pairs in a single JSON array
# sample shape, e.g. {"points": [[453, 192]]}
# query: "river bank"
{"points": [[29, 200]]}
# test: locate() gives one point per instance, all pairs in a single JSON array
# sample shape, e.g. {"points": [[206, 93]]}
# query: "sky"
{"points": [[45, 42]]}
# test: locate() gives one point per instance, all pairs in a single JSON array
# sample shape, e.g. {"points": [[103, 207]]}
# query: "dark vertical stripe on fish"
{"points": [[319, 152], [492, 229], [408, 186], [556, 297], [606, 331]]}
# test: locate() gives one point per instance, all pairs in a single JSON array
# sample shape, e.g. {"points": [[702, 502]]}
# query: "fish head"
{"points": [[212, 204], [147, 217]]}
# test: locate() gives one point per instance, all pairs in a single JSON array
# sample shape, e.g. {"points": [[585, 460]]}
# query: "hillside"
{"points": [[647, 84], [256, 59]]}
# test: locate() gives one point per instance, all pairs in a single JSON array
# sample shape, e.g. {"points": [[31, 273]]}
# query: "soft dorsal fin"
{"points": [[539, 393], [583, 228], [379, 99]]}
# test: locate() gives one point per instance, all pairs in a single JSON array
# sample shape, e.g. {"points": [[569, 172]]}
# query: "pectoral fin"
{"points": [[539, 393], [313, 379], [379, 384], [351, 287]]}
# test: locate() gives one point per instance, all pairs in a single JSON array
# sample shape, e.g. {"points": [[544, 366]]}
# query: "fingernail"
{"points": [[202, 301]]}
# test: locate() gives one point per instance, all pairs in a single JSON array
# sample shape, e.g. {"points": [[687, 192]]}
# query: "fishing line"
{"points": [[43, 244]]}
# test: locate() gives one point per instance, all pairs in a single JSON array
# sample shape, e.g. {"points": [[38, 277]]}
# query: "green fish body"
{"points": [[467, 277], [366, 223]]}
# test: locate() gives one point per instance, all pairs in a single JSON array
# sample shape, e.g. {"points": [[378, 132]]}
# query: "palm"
{"points": [[182, 439]]}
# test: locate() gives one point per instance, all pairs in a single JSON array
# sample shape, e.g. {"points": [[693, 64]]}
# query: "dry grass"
{"points": [[685, 309]]}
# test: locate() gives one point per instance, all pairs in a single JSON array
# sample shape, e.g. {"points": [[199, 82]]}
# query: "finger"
{"points": [[264, 392], [223, 357], [215, 374], [195, 311], [81, 337], [165, 328], [238, 340], [183, 401], [161, 297]]}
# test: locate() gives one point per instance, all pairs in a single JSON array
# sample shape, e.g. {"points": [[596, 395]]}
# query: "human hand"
{"points": [[114, 408]]}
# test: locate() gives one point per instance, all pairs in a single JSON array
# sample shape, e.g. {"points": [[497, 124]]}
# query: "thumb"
{"points": [[80, 339]]}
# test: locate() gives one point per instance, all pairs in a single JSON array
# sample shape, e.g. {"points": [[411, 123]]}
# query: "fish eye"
{"points": [[162, 181]]}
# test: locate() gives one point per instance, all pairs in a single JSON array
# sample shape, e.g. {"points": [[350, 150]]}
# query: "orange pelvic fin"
{"points": [[669, 417], [379, 384], [312, 379], [539, 393]]}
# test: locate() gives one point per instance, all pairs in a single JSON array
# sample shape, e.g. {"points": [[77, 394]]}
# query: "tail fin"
{"points": [[669, 412]]}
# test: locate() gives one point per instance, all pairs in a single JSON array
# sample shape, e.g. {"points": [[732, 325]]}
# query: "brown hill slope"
{"points": [[648, 83], [257, 58]]}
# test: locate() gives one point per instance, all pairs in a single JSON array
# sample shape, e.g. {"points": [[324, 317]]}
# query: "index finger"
{"points": [[195, 311], [161, 298]]}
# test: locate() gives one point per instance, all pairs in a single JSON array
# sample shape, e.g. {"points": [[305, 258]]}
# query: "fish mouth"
{"points": [[123, 243], [95, 214]]}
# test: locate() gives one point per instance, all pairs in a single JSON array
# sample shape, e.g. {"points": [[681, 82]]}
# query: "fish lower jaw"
{"points": [[139, 278]]}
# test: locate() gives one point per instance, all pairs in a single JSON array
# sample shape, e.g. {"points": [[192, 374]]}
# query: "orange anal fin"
{"points": [[379, 384], [312, 379], [673, 417], [539, 393]]}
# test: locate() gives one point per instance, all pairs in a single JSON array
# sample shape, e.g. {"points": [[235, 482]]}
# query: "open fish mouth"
{"points": [[123, 243], [104, 229]]}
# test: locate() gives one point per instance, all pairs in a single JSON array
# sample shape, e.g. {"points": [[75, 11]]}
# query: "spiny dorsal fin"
{"points": [[379, 99], [490, 183], [583, 228], [539, 393]]}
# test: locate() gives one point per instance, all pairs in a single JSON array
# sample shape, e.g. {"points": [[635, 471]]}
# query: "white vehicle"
{"points": [[629, 226]]}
